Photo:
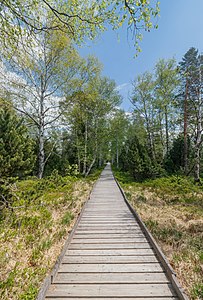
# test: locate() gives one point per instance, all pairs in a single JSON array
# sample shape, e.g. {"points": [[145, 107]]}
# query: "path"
{"points": [[109, 256]]}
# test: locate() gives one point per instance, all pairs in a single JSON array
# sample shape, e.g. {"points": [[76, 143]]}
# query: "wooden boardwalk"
{"points": [[109, 256]]}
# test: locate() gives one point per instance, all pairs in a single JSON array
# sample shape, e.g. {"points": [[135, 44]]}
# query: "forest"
{"points": [[61, 122]]}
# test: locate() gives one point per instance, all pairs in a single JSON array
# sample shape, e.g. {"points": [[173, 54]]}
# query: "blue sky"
{"points": [[180, 27]]}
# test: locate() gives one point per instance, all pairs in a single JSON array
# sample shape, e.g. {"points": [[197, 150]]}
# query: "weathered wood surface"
{"points": [[112, 298], [109, 256], [112, 290]]}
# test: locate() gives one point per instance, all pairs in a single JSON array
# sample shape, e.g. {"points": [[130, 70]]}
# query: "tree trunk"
{"points": [[117, 154], [41, 153], [150, 142], [41, 135], [199, 134], [100, 159], [185, 130], [90, 167], [149, 133], [161, 133], [197, 164], [78, 152], [166, 129], [85, 151]]}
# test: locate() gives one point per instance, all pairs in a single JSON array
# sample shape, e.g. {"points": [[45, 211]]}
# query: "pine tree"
{"points": [[192, 75], [135, 159], [16, 148], [187, 69]]}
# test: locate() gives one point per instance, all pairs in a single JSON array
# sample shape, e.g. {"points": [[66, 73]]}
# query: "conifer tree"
{"points": [[16, 148]]}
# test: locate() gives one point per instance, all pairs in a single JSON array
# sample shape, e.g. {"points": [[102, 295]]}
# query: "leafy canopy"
{"points": [[80, 19]]}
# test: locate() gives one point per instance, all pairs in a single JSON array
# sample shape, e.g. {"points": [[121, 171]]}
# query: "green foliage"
{"points": [[197, 291], [36, 227], [80, 21], [30, 294], [118, 132], [93, 102], [170, 233], [174, 162], [67, 218], [135, 158], [16, 148], [123, 177], [172, 209]]}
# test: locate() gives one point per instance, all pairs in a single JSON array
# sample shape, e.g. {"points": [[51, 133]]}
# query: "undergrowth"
{"points": [[172, 209], [33, 230]]}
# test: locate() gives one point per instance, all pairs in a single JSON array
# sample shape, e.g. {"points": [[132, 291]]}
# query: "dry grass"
{"points": [[177, 225], [32, 238]]}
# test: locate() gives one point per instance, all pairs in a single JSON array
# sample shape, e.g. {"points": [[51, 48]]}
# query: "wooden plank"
{"points": [[106, 212], [109, 290], [109, 240], [108, 226], [103, 231], [110, 246], [102, 227], [109, 259], [107, 236], [101, 222], [111, 298], [111, 268], [106, 218], [93, 278], [105, 221], [111, 252], [114, 216], [118, 205]]}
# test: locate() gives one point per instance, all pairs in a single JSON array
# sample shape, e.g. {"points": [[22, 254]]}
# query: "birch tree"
{"points": [[166, 85], [89, 118], [40, 77], [143, 101], [118, 126]]}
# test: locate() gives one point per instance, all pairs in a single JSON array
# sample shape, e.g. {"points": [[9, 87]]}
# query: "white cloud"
{"points": [[122, 86]]}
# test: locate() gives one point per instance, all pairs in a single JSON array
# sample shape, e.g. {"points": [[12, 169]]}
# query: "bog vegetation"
{"points": [[172, 209], [60, 121]]}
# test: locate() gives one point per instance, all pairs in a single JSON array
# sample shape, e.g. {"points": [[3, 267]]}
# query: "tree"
{"points": [[191, 71], [136, 160], [166, 85], [118, 126], [187, 71], [174, 162], [197, 101], [89, 115], [80, 20], [42, 74], [143, 100], [16, 147]]}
